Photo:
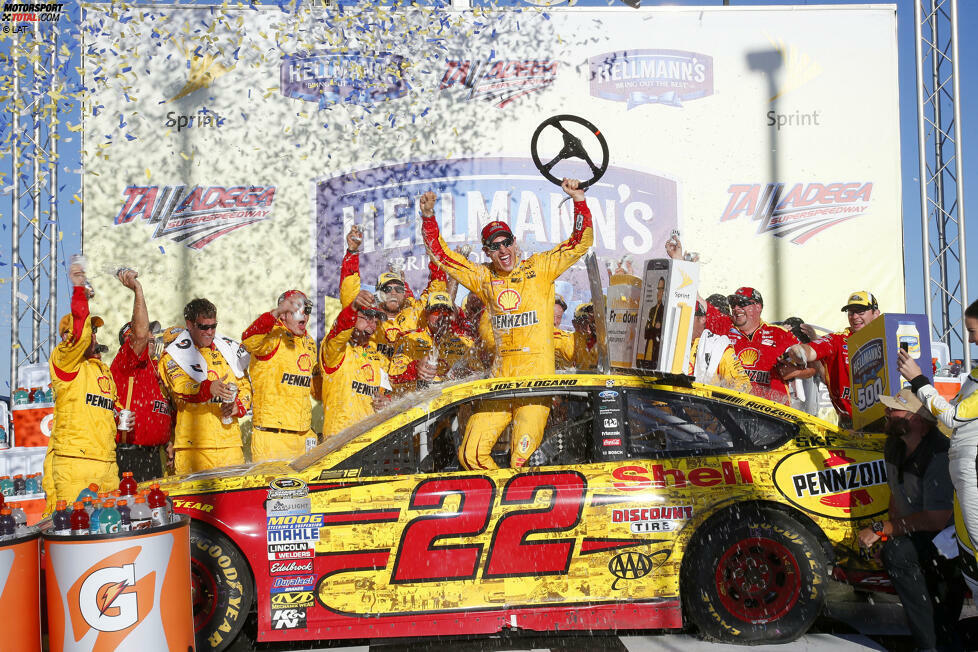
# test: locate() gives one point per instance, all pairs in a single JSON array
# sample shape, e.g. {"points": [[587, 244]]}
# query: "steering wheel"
{"points": [[573, 148]]}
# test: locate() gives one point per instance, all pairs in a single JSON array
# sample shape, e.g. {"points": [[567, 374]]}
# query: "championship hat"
{"points": [[154, 329], [583, 308], [65, 324], [440, 300], [861, 300], [906, 400], [297, 294], [493, 229], [559, 300], [388, 277], [744, 296]]}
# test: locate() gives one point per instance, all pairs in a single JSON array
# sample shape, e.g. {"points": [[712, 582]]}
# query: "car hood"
{"points": [[228, 478]]}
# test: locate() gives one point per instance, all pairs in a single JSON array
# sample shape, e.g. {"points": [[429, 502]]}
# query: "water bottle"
{"points": [[127, 486], [61, 519], [7, 524], [93, 519], [91, 492], [6, 485], [157, 505], [140, 516], [20, 487], [125, 522], [79, 519], [20, 518], [109, 518]]}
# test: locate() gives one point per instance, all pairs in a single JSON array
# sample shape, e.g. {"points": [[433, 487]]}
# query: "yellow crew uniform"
{"points": [[201, 440], [455, 358], [281, 370], [82, 445], [352, 374], [521, 306], [729, 370]]}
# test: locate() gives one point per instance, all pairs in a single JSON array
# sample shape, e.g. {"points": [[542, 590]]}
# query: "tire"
{"points": [[222, 588], [754, 575]]}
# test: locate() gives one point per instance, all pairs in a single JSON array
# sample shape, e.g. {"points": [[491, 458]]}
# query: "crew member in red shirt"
{"points": [[833, 351], [758, 345], [134, 371]]}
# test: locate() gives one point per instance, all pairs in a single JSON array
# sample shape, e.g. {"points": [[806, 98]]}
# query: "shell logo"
{"points": [[304, 362], [509, 299], [105, 385], [841, 483], [212, 375], [367, 373], [749, 357]]}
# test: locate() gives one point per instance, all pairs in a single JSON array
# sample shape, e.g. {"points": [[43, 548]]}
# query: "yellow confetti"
{"points": [[148, 174]]}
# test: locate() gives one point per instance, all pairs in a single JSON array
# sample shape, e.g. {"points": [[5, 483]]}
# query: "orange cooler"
{"points": [[20, 593], [122, 591]]}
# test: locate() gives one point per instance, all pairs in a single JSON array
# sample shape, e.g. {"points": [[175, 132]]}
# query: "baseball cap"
{"points": [[493, 229], [440, 300], [908, 401], [559, 300], [745, 295], [388, 277], [862, 300], [65, 324], [154, 329], [171, 334], [700, 308], [583, 308]]}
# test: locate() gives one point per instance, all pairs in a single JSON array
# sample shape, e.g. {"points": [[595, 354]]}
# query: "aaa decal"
{"points": [[195, 217], [847, 484]]}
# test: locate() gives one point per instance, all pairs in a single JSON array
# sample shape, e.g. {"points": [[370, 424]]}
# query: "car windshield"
{"points": [[414, 399]]}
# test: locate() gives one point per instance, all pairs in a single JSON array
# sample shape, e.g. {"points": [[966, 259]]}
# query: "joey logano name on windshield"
{"points": [[841, 478], [519, 320]]}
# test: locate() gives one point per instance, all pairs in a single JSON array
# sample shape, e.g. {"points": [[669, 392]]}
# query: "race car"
{"points": [[652, 503]]}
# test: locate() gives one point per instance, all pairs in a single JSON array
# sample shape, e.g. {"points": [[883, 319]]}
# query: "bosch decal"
{"points": [[801, 212], [196, 216], [639, 77]]}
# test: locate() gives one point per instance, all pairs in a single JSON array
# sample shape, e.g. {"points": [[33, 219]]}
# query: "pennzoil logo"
{"points": [[846, 484], [499, 82], [196, 216]]}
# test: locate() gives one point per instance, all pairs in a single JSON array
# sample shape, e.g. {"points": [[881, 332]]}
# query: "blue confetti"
{"points": [[162, 251]]}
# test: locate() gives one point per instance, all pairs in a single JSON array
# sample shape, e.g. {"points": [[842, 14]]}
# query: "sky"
{"points": [[69, 168]]}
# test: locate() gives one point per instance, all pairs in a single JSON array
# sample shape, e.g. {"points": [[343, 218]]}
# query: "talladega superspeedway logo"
{"points": [[651, 76], [801, 212], [633, 213], [196, 216], [499, 82], [332, 78]]}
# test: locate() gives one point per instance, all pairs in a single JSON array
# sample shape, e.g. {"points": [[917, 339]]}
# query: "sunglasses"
{"points": [[505, 242], [743, 303], [207, 327]]}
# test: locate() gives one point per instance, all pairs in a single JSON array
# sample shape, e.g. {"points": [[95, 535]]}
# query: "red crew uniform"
{"points": [[281, 370], [520, 304], [82, 445], [833, 351], [352, 374]]}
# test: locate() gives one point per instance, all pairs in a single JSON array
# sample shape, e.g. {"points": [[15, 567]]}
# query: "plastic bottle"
{"points": [[125, 522], [157, 503], [89, 504], [109, 517], [34, 483], [6, 485], [140, 515], [20, 517], [169, 507], [93, 520], [79, 519], [61, 519], [127, 486], [20, 486], [7, 524], [91, 491]]}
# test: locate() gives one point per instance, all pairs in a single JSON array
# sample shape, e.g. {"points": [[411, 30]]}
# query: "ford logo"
{"points": [[608, 394]]}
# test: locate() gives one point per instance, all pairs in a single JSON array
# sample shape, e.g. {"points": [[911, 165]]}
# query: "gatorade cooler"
{"points": [[20, 593], [122, 591]]}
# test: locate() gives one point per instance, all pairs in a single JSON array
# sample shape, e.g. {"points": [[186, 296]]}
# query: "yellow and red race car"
{"points": [[651, 502]]}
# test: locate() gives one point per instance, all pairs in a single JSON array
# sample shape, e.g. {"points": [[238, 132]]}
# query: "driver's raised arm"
{"points": [[581, 238], [456, 265]]}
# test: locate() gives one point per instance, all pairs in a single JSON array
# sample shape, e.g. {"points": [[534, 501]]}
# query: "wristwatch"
{"points": [[878, 529]]}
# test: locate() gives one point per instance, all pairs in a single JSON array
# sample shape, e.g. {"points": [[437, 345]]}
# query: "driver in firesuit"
{"points": [[354, 372], [283, 360], [82, 445], [519, 295]]}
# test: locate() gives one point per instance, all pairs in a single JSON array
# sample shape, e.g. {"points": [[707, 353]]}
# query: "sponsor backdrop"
{"points": [[227, 159]]}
